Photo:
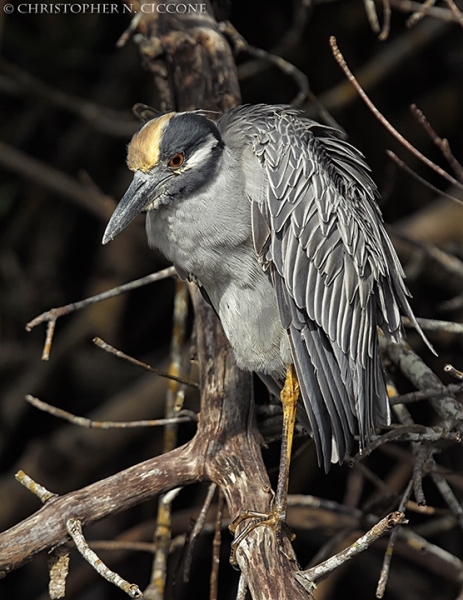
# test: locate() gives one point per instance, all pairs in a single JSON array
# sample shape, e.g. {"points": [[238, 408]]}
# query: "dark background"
{"points": [[51, 255]]}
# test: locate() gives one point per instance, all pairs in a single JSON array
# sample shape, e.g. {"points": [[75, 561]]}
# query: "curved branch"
{"points": [[46, 528]]}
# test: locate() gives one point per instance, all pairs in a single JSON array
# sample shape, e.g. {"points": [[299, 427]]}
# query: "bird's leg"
{"points": [[289, 397], [276, 519]]}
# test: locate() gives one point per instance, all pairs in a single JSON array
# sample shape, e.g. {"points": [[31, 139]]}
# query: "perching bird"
{"points": [[275, 217]]}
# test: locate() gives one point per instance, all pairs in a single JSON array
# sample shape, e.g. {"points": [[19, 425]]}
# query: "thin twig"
{"points": [[454, 372], [407, 433], [426, 8], [419, 13], [58, 560], [435, 325], [288, 69], [451, 305], [112, 122], [379, 484], [372, 15], [386, 21], [308, 577], [52, 315], [451, 263], [90, 424], [316, 503], [74, 528], [162, 537], [449, 496], [452, 388], [58, 569], [418, 472], [441, 143], [250, 68], [216, 545], [117, 545], [56, 181], [436, 554], [38, 490], [382, 119], [422, 377], [456, 12], [399, 50], [127, 34], [198, 526], [284, 46], [108, 348], [174, 400], [390, 547], [293, 35], [403, 165], [175, 394]]}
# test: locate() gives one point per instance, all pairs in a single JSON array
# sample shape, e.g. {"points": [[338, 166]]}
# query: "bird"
{"points": [[276, 218]]}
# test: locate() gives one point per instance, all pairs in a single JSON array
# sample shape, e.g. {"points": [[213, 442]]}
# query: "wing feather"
{"points": [[336, 274]]}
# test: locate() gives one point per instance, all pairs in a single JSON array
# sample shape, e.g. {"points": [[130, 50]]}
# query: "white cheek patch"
{"points": [[200, 156]]}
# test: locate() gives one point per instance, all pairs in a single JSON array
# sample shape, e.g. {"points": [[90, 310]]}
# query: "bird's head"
{"points": [[172, 156]]}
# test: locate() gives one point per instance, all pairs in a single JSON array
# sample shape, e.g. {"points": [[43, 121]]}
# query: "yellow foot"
{"points": [[275, 520]]}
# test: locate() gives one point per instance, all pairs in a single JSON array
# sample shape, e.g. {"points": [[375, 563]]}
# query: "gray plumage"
{"points": [[276, 218]]}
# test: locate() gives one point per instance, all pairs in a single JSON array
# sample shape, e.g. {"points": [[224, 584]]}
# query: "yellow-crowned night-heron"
{"points": [[275, 217]]}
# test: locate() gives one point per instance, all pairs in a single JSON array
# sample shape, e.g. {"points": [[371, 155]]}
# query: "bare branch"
{"points": [[455, 372], [456, 12], [419, 471], [173, 404], [46, 528], [58, 568], [441, 143], [216, 545], [422, 180], [386, 21], [108, 348], [436, 325], [382, 119], [74, 528], [412, 397], [372, 15], [38, 490], [288, 69], [109, 121], [307, 578], [420, 13], [448, 495], [390, 547], [52, 315], [185, 417], [426, 8], [197, 528], [422, 377], [56, 181]]}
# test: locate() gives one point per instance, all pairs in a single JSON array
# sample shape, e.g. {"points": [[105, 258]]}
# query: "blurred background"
{"points": [[66, 94]]}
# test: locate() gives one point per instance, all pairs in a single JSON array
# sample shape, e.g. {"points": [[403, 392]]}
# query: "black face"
{"points": [[186, 133]]}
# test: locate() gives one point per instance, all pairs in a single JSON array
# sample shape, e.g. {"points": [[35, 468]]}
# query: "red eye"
{"points": [[176, 160]]}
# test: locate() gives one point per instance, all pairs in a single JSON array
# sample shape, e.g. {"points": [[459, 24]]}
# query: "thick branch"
{"points": [[47, 527], [234, 459]]}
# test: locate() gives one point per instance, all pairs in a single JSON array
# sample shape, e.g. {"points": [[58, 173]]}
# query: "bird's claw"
{"points": [[275, 520]]}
